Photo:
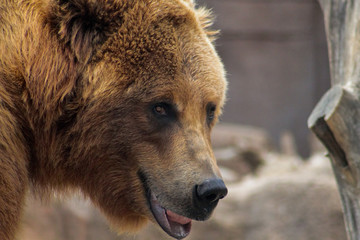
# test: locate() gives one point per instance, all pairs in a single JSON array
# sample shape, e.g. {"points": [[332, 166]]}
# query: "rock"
{"points": [[239, 150], [64, 219], [242, 137]]}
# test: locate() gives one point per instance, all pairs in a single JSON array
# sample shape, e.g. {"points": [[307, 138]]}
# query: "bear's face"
{"points": [[151, 95]]}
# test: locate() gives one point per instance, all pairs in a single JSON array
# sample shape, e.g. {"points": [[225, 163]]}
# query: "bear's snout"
{"points": [[208, 193]]}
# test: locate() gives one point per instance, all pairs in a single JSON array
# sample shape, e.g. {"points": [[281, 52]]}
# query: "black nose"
{"points": [[210, 191]]}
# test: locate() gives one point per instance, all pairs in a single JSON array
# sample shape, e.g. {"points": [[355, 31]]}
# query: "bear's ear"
{"points": [[83, 25], [189, 2], [206, 20], [203, 15]]}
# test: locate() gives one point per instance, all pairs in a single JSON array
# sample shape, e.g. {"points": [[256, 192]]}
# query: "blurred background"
{"points": [[275, 54], [280, 183]]}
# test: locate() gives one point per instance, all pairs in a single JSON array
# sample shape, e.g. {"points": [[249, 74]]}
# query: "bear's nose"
{"points": [[210, 191]]}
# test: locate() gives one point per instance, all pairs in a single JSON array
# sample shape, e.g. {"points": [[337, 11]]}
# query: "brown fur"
{"points": [[76, 81]]}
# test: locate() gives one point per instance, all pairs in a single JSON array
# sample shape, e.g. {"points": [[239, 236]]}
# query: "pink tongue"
{"points": [[177, 218]]}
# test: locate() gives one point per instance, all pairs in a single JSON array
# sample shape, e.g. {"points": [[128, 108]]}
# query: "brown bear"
{"points": [[115, 98]]}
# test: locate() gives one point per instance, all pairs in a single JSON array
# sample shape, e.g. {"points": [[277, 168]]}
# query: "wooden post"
{"points": [[336, 118]]}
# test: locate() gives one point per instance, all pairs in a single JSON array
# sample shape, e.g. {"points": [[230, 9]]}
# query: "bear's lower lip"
{"points": [[175, 225]]}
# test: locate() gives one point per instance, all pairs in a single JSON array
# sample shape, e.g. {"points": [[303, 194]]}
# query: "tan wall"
{"points": [[276, 58]]}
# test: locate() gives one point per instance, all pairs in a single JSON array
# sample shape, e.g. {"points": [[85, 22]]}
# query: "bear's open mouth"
{"points": [[175, 225]]}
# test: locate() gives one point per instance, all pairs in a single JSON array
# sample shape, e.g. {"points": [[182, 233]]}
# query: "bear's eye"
{"points": [[160, 109], [164, 112], [211, 108]]}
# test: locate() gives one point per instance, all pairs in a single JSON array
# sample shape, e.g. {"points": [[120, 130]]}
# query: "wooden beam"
{"points": [[336, 118]]}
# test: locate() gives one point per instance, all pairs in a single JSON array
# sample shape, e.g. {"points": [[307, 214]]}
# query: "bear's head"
{"points": [[134, 131]]}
